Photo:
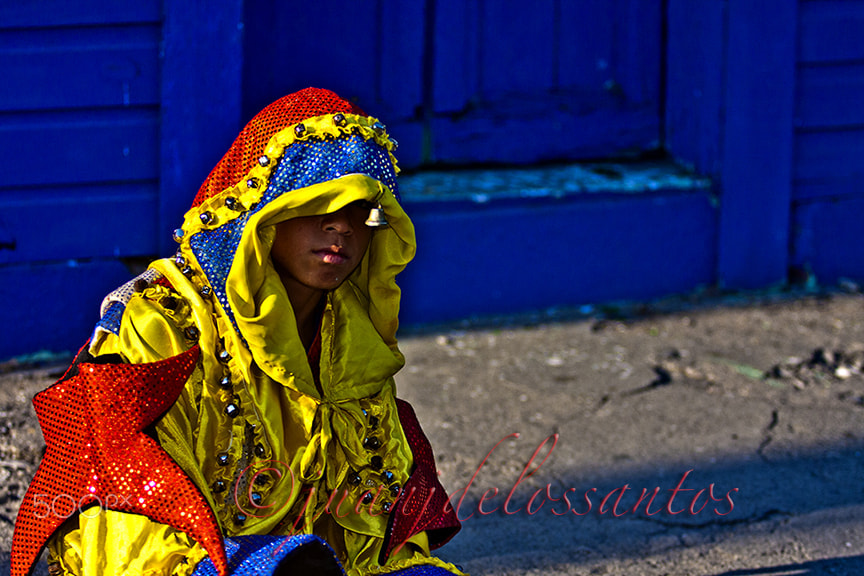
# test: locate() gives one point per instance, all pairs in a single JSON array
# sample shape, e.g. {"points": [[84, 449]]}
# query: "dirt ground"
{"points": [[745, 421]]}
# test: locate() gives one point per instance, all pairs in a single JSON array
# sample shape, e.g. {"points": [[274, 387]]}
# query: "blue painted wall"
{"points": [[112, 113], [79, 154], [828, 143]]}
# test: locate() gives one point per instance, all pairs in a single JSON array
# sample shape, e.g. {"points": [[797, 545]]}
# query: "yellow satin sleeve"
{"points": [[150, 329], [108, 543]]}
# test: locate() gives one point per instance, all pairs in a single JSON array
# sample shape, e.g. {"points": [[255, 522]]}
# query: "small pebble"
{"points": [[842, 373]]}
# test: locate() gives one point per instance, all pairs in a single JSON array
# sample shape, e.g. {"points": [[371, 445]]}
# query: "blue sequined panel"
{"points": [[110, 321], [422, 570], [214, 250], [304, 163], [262, 555], [313, 161]]}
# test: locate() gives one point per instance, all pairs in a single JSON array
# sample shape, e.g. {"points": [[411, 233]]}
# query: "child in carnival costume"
{"points": [[235, 408]]}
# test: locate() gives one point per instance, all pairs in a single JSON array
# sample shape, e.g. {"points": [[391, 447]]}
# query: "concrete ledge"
{"points": [[506, 241]]}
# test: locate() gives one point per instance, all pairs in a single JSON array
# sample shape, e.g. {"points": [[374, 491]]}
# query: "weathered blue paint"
{"points": [[50, 13], [694, 87], [53, 305], [79, 136], [829, 239], [729, 113], [369, 52], [413, 143], [541, 135], [828, 171], [400, 88], [830, 156], [518, 82], [292, 45], [122, 67], [582, 181], [459, 84], [455, 76], [529, 254], [830, 30], [87, 221], [494, 241], [403, 76], [829, 115], [80, 146], [756, 179], [830, 95], [846, 186]]}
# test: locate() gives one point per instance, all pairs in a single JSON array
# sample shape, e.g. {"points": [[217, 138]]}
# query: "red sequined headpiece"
{"points": [[250, 143]]}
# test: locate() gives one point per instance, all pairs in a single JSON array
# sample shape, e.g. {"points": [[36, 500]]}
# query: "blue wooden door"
{"points": [[473, 82], [547, 80]]}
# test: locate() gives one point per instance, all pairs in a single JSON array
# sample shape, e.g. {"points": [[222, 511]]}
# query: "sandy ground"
{"points": [[755, 413]]}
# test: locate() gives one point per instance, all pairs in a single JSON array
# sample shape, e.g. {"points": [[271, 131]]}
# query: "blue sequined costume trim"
{"points": [[309, 162], [110, 321], [262, 555], [421, 570], [303, 164]]}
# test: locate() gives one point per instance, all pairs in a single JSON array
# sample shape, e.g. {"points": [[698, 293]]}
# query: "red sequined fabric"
{"points": [[424, 504], [250, 143], [93, 421]]}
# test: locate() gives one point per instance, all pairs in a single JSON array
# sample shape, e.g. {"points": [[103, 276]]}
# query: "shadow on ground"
{"points": [[847, 565], [777, 502]]}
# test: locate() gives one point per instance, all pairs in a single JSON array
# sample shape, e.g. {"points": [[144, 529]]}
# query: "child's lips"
{"points": [[331, 256]]}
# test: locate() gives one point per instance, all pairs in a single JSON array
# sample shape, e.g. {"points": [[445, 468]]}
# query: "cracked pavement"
{"points": [[767, 399], [719, 441]]}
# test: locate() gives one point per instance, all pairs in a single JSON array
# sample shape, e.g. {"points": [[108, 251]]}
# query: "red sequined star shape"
{"points": [[93, 420]]}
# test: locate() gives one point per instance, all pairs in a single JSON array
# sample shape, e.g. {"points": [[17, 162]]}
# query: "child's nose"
{"points": [[338, 222]]}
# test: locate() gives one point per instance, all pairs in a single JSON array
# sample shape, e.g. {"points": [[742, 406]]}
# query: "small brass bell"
{"points": [[376, 217]]}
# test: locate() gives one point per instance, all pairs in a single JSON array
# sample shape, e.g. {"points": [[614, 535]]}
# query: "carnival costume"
{"points": [[194, 433]]}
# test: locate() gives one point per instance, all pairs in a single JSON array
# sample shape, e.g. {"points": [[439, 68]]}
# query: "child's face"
{"points": [[319, 252]]}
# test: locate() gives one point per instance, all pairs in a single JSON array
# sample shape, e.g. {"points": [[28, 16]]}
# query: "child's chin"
{"points": [[331, 282]]}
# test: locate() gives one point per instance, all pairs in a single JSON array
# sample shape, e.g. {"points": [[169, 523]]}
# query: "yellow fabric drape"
{"points": [[104, 539]]}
